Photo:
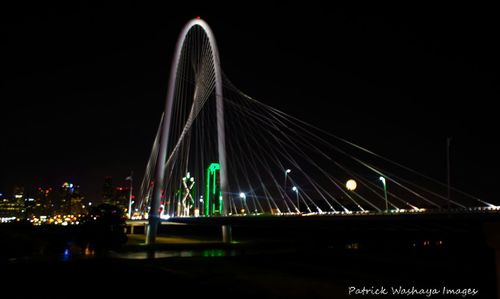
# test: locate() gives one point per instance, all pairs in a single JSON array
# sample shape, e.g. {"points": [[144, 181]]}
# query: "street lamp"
{"points": [[130, 195], [296, 190], [243, 196], [385, 193], [284, 184]]}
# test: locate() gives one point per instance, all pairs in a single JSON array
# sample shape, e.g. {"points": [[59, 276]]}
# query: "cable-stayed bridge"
{"points": [[221, 153]]}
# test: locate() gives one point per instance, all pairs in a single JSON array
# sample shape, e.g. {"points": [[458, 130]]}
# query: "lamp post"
{"points": [[130, 194], [385, 193], [296, 190], [284, 184], [243, 196]]}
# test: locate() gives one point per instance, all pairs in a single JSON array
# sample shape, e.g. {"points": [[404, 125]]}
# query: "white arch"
{"points": [[154, 217]]}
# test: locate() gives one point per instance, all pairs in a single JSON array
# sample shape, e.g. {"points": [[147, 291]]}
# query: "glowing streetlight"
{"points": [[130, 195], [296, 190], [385, 193], [351, 185], [243, 196], [284, 184]]}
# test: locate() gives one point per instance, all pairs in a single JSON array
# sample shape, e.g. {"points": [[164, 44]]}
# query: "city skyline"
{"points": [[85, 105]]}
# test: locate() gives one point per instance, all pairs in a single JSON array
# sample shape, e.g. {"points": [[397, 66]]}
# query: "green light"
{"points": [[213, 179], [210, 199], [213, 167], [220, 201], [207, 198]]}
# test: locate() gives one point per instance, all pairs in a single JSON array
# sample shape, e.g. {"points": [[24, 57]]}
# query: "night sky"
{"points": [[83, 85]]}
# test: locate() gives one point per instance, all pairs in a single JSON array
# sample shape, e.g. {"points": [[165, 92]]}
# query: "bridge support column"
{"points": [[152, 229], [227, 234]]}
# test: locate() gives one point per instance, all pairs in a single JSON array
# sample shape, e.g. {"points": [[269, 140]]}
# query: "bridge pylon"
{"points": [[158, 189]]}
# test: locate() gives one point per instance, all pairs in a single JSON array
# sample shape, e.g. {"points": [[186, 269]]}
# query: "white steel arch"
{"points": [[154, 217]]}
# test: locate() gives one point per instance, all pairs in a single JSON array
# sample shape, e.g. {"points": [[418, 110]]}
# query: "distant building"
{"points": [[44, 202], [107, 190], [70, 200], [13, 206], [29, 207], [122, 194], [115, 196]]}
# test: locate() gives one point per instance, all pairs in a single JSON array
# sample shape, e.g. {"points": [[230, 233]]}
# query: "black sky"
{"points": [[83, 85]]}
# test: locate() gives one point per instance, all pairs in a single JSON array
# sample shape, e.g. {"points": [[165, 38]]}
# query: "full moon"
{"points": [[351, 185]]}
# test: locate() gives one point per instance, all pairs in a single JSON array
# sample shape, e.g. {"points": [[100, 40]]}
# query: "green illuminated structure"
{"points": [[213, 193]]}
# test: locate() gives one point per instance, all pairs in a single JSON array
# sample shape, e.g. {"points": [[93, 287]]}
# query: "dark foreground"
{"points": [[318, 261], [278, 274]]}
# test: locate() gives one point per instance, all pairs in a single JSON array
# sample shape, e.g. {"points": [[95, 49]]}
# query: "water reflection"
{"points": [[157, 254], [213, 253], [88, 252], [71, 251], [66, 255]]}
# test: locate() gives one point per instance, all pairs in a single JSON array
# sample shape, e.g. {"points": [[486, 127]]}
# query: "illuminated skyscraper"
{"points": [[115, 196], [70, 200], [107, 190], [13, 206], [44, 199], [121, 197]]}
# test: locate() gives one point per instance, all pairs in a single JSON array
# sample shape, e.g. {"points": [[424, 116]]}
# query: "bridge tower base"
{"points": [[152, 229], [227, 234]]}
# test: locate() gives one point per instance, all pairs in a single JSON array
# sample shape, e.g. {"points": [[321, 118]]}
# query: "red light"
{"points": [[198, 17], [133, 196]]}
